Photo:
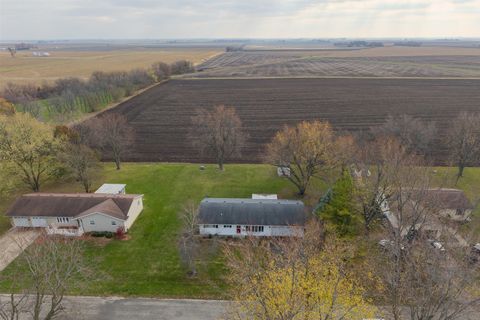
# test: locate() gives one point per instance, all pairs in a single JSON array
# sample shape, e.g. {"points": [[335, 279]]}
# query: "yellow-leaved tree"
{"points": [[293, 279], [28, 149], [302, 151]]}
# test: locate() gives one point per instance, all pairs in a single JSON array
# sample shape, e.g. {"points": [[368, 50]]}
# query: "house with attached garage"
{"points": [[73, 214], [251, 217], [451, 203]]}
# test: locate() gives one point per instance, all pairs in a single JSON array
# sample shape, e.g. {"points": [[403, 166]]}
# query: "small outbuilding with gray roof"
{"points": [[251, 217]]}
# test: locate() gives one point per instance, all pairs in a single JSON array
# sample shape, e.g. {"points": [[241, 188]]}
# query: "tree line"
{"points": [[312, 146], [68, 97]]}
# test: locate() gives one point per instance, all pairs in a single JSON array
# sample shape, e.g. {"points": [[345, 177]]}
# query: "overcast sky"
{"points": [[161, 19]]}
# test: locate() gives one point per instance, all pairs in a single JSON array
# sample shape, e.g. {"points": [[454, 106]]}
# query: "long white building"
{"points": [[251, 217]]}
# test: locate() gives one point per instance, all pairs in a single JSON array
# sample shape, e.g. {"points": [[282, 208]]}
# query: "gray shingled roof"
{"points": [[71, 205], [251, 212], [449, 199]]}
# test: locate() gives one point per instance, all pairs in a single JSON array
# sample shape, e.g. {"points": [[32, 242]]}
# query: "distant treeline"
{"points": [[360, 43], [408, 44], [69, 97], [234, 48]]}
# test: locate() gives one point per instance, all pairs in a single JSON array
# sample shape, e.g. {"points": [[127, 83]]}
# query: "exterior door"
{"points": [[239, 229]]}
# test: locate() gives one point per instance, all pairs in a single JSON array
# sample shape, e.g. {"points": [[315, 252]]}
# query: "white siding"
{"points": [[101, 222], [21, 222], [39, 222], [134, 212], [452, 214], [268, 231]]}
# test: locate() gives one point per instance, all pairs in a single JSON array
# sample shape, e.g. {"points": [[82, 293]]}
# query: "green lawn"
{"points": [[148, 264], [4, 224]]}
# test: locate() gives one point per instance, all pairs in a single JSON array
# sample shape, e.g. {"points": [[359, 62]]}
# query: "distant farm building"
{"points": [[40, 54], [251, 217]]}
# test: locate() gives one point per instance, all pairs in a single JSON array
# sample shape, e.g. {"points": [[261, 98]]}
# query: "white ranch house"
{"points": [[251, 217], [76, 213]]}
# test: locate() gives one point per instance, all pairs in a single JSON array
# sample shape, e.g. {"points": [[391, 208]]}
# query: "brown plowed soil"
{"points": [[162, 115]]}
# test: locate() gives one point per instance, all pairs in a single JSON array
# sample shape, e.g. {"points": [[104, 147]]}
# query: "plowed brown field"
{"points": [[161, 116]]}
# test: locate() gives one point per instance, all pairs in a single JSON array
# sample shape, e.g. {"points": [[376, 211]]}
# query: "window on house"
{"points": [[114, 223], [92, 222], [227, 225], [254, 228]]}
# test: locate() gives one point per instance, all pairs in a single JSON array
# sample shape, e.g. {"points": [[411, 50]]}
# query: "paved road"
{"points": [[13, 243], [115, 308]]}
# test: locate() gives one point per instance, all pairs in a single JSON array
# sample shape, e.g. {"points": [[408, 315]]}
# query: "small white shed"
{"points": [[111, 188], [283, 171], [264, 196]]}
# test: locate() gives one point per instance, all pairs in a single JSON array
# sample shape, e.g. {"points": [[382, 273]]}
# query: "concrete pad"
{"points": [[13, 243]]}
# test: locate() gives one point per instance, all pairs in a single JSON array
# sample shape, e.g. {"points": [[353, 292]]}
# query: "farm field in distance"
{"points": [[428, 62], [77, 62], [162, 115]]}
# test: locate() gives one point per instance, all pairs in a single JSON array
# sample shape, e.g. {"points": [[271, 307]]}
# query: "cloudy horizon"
{"points": [[267, 19]]}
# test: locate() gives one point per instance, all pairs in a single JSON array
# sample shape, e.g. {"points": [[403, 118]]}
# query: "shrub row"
{"points": [[71, 96]]}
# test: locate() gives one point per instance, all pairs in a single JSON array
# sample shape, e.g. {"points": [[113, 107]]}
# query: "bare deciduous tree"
{"points": [[161, 70], [412, 224], [218, 132], [113, 136], [181, 67], [18, 93], [54, 266], [376, 161], [188, 241], [440, 284], [407, 214], [416, 135], [83, 163], [12, 51], [463, 141], [306, 150]]}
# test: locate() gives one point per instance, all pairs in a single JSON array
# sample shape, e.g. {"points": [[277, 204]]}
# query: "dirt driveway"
{"points": [[13, 243]]}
